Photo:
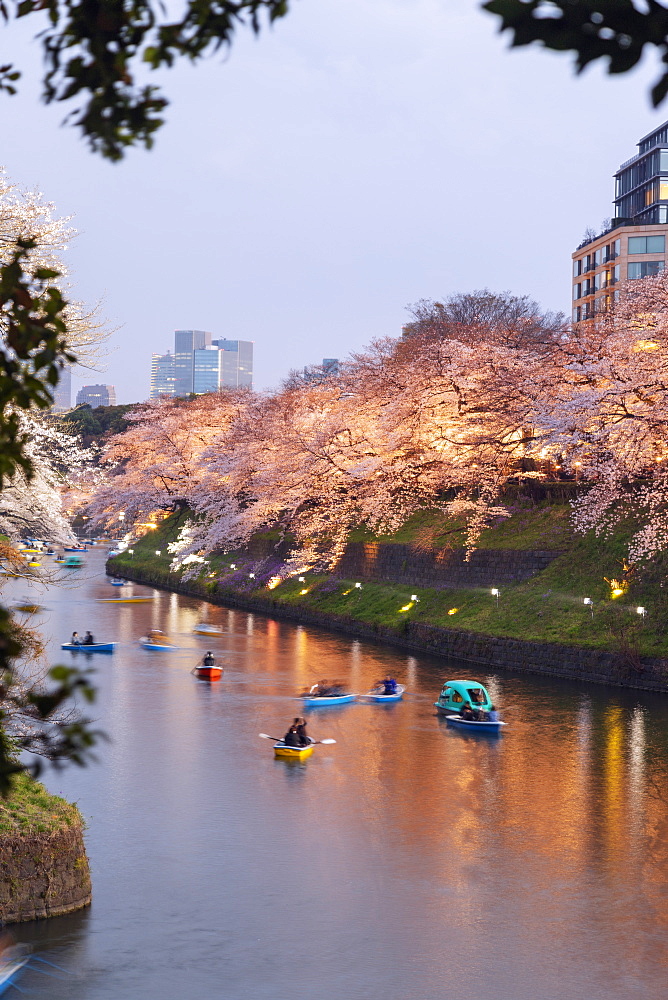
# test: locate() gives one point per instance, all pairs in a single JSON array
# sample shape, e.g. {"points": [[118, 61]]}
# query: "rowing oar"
{"points": [[279, 739]]}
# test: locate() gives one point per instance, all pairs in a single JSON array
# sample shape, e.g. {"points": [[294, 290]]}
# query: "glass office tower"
{"points": [[186, 342], [237, 363], [97, 395], [208, 370], [162, 376]]}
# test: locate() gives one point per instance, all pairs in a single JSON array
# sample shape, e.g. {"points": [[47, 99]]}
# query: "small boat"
{"points": [[210, 672], [89, 647], [204, 629], [293, 753], [59, 561], [378, 696], [118, 583], [75, 548], [472, 724], [456, 693], [123, 600], [321, 701], [159, 644], [27, 607], [73, 562]]}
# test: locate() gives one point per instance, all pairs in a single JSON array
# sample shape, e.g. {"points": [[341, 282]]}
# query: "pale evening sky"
{"points": [[354, 158]]}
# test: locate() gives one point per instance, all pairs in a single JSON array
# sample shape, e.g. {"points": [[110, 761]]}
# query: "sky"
{"points": [[356, 157]]}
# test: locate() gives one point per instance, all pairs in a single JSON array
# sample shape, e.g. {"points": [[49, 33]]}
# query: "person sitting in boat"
{"points": [[336, 689], [467, 713], [209, 659], [88, 639], [291, 738], [304, 738], [321, 690], [75, 640], [493, 714], [389, 685]]}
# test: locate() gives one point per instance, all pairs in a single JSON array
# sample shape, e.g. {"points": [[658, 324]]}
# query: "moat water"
{"points": [[409, 860]]}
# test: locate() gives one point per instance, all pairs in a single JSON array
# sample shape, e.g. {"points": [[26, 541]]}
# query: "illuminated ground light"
{"points": [[251, 576], [301, 579], [233, 565], [304, 591], [348, 591], [453, 611], [617, 587], [641, 611], [407, 607], [273, 582], [358, 586]]}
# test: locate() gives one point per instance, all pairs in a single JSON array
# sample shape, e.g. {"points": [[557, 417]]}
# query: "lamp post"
{"points": [[131, 552], [642, 612], [415, 598], [587, 601], [496, 593], [358, 586]]}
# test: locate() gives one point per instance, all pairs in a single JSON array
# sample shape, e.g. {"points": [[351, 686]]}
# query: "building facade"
{"points": [[96, 395], [62, 393], [186, 342], [236, 363], [163, 376], [208, 370], [635, 244]]}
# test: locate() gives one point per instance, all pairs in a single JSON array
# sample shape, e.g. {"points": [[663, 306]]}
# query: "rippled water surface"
{"points": [[409, 860]]}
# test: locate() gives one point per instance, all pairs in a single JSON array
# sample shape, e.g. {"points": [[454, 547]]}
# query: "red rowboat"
{"points": [[211, 673]]}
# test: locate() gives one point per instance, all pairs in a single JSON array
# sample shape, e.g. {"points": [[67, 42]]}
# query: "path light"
{"points": [[251, 576], [589, 603], [301, 579], [233, 565], [359, 586], [496, 593], [131, 551], [641, 611], [414, 597], [304, 591], [453, 611], [158, 552]]}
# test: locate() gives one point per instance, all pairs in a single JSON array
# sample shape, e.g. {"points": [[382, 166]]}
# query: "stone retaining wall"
{"points": [[498, 652], [441, 568], [43, 875]]}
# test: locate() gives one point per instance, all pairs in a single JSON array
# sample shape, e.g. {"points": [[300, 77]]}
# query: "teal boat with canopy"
{"points": [[455, 694]]}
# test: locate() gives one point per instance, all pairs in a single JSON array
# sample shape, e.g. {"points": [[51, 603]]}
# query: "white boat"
{"points": [[474, 725], [204, 629], [157, 644], [378, 696]]}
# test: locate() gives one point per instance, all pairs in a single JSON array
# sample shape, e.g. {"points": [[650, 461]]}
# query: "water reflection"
{"points": [[414, 860]]}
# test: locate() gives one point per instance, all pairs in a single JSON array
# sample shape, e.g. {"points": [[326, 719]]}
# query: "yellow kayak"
{"points": [[296, 753]]}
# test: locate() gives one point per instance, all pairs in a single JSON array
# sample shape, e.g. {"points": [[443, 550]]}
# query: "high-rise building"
{"points": [[634, 245], [62, 394], [318, 373], [208, 370], [96, 395], [162, 376], [236, 363], [186, 342]]}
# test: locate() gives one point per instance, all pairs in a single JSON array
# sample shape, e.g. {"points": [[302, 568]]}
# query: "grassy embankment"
{"points": [[31, 809], [547, 608]]}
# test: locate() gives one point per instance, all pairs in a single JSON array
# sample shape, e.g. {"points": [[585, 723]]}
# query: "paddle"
{"points": [[279, 739]]}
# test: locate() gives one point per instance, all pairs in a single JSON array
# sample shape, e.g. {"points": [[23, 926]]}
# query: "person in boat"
{"points": [[321, 690], [291, 738], [467, 713], [75, 640], [388, 685], [493, 714], [336, 689], [209, 659], [304, 738], [88, 639]]}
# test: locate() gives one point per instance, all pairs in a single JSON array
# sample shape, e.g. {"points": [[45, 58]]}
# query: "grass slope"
{"points": [[31, 809], [547, 608]]}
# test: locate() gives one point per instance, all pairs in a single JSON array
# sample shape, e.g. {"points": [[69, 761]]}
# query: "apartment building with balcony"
{"points": [[635, 244]]}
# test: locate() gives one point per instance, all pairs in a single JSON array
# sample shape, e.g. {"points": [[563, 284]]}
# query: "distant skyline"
{"points": [[351, 160]]}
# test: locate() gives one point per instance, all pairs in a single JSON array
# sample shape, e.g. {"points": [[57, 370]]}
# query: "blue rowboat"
{"points": [[89, 647], [160, 646], [118, 583], [473, 726], [378, 697], [310, 701], [78, 548]]}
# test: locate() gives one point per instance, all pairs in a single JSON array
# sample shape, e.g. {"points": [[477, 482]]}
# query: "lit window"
{"points": [[645, 268]]}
